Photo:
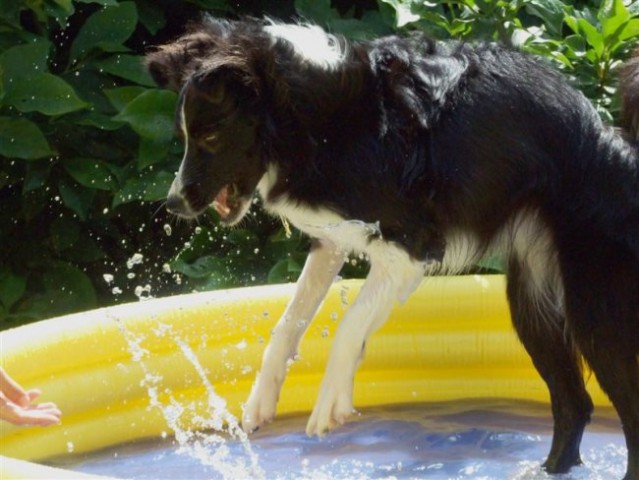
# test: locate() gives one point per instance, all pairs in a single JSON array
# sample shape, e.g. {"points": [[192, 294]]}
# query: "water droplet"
{"points": [[143, 292], [136, 259]]}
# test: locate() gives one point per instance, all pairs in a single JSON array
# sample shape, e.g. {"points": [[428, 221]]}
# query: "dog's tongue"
{"points": [[220, 202]]}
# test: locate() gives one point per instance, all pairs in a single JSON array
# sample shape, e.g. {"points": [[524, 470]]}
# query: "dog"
{"points": [[425, 156]]}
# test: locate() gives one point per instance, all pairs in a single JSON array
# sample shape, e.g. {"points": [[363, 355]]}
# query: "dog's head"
{"points": [[216, 117]]}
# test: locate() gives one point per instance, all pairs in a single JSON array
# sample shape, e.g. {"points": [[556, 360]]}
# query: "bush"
{"points": [[87, 149]]}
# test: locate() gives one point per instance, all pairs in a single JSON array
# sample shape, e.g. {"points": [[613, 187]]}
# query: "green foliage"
{"points": [[588, 40], [87, 150]]}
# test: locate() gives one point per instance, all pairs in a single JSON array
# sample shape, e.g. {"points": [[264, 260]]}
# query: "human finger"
{"points": [[40, 414], [12, 389]]}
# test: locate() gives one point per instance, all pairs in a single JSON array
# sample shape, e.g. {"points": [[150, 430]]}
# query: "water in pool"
{"points": [[488, 439]]}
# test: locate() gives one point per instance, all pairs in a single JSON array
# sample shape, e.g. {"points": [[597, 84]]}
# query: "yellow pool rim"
{"points": [[451, 340]]}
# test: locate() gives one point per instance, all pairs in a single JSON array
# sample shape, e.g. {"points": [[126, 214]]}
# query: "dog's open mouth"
{"points": [[227, 202]]}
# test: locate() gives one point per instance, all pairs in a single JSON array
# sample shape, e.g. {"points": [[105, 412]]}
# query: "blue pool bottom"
{"points": [[488, 439]]}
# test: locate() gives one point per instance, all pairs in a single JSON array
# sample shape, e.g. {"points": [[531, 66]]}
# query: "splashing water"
{"points": [[206, 445], [372, 229], [136, 259]]}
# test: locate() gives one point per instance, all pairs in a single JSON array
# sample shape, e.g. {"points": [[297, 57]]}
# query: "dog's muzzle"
{"points": [[189, 201], [180, 200], [177, 205]]}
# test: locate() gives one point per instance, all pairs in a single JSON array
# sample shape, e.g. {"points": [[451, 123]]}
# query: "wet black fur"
{"points": [[429, 137]]}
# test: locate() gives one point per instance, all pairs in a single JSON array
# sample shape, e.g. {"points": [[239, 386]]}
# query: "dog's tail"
{"points": [[629, 90]]}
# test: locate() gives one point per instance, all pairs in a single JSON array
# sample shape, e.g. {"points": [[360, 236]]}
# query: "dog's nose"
{"points": [[176, 204]]}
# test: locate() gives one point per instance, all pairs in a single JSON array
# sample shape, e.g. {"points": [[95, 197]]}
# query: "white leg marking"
{"points": [[322, 265], [391, 277]]}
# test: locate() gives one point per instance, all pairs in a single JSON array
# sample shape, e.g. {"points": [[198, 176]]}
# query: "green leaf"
{"points": [[22, 138], [64, 233], [150, 16], [91, 173], [66, 5], [36, 176], [593, 36], [151, 152], [12, 288], [404, 13], [10, 12], [77, 198], [242, 238], [283, 271], [200, 268], [60, 11], [612, 15], [68, 241], [107, 29], [320, 11], [149, 186], [571, 21], [23, 60], [86, 251], [151, 115], [121, 97], [576, 43], [44, 93], [550, 11], [630, 30], [129, 67], [68, 288], [99, 120]]}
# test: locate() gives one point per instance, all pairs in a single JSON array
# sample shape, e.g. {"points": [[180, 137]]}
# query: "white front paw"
{"points": [[260, 406], [333, 407]]}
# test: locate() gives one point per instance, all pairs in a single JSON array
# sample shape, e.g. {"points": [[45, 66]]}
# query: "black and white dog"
{"points": [[425, 156]]}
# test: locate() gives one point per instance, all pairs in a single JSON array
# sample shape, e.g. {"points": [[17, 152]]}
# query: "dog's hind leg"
{"points": [[322, 265], [602, 302], [540, 325], [618, 376]]}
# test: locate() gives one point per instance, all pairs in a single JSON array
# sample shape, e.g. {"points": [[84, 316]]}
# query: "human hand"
{"points": [[17, 405]]}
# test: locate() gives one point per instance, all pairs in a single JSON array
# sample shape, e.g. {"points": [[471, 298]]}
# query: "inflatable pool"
{"points": [[451, 340]]}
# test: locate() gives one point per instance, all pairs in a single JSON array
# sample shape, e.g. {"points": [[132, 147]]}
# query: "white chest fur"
{"points": [[319, 222], [348, 235]]}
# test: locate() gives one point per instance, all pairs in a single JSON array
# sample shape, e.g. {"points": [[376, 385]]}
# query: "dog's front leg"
{"points": [[322, 265], [392, 277]]}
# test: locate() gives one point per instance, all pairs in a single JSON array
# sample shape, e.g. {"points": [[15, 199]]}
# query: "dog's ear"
{"points": [[170, 65]]}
